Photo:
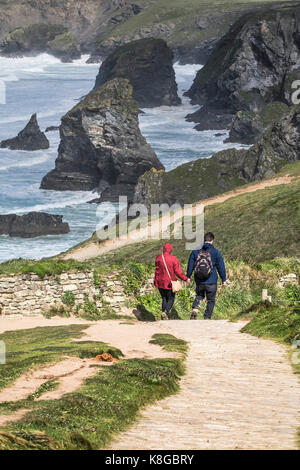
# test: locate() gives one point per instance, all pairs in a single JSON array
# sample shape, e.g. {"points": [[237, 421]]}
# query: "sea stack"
{"points": [[148, 65], [33, 224], [30, 138], [101, 145]]}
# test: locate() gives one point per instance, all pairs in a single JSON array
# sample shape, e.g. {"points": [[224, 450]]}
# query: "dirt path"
{"points": [[71, 372], [94, 249], [239, 393]]}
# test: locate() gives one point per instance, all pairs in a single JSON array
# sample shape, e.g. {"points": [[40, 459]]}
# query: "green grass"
{"points": [[42, 268], [44, 345], [105, 405], [254, 227], [183, 16]]}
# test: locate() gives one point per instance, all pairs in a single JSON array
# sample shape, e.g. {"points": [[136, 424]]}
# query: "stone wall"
{"points": [[28, 294]]}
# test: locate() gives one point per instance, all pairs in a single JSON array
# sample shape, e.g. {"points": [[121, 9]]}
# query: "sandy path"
{"points": [[239, 393], [133, 340], [71, 372], [155, 227]]}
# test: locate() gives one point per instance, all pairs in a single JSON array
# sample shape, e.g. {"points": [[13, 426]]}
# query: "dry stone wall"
{"points": [[28, 294]]}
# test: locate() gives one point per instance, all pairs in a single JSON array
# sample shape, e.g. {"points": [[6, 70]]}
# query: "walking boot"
{"points": [[194, 314]]}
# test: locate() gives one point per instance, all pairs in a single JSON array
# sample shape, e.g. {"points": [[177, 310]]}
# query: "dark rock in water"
{"points": [[33, 224], [226, 170], [251, 64], [248, 127], [52, 128], [30, 39], [148, 65], [101, 144], [65, 47], [30, 138], [219, 134], [211, 119]]}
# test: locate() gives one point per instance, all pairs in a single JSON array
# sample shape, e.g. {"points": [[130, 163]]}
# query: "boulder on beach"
{"points": [[30, 138], [33, 224]]}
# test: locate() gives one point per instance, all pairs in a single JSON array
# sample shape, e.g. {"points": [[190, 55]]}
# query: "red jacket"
{"points": [[161, 278]]}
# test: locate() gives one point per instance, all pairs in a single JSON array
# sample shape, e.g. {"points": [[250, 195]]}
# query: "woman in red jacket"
{"points": [[162, 279]]}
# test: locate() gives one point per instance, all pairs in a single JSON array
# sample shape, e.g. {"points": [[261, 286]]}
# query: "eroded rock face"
{"points": [[148, 65], [225, 170], [248, 127], [33, 224], [101, 145], [30, 138], [251, 65]]}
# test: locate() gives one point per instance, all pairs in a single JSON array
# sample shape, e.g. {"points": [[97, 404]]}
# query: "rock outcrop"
{"points": [[37, 38], [191, 29], [101, 145], [30, 138], [225, 170], [64, 46], [33, 224], [251, 65], [148, 65], [248, 127]]}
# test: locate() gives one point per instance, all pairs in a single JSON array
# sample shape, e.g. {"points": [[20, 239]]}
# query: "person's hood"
{"points": [[167, 248], [207, 245]]}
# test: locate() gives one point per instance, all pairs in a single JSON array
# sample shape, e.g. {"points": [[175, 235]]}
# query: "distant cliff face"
{"points": [[251, 65], [225, 170], [101, 144], [148, 65], [191, 29]]}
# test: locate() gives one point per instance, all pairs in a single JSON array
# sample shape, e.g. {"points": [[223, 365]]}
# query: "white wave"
{"points": [[60, 201], [27, 163]]}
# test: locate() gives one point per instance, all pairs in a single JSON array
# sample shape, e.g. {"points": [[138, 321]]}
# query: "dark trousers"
{"points": [[209, 291], [168, 298]]}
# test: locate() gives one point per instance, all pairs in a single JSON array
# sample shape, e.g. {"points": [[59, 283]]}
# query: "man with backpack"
{"points": [[206, 263]]}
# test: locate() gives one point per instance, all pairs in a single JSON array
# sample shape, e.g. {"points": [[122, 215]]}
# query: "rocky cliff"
{"points": [[33, 224], [251, 65], [148, 65], [225, 170], [101, 145], [30, 138], [190, 28]]}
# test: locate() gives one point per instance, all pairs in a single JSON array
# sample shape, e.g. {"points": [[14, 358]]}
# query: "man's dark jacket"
{"points": [[217, 261]]}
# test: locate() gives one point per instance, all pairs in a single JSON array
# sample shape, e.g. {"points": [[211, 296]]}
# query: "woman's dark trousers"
{"points": [[168, 298]]}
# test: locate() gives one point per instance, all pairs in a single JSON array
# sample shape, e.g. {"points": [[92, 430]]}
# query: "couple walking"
{"points": [[206, 263]]}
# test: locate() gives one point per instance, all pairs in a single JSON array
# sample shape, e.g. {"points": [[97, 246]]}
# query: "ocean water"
{"points": [[50, 88]]}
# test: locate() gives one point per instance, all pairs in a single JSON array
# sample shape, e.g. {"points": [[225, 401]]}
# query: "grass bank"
{"points": [[105, 405]]}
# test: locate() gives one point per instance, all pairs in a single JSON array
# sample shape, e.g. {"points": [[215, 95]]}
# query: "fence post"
{"points": [[265, 297]]}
